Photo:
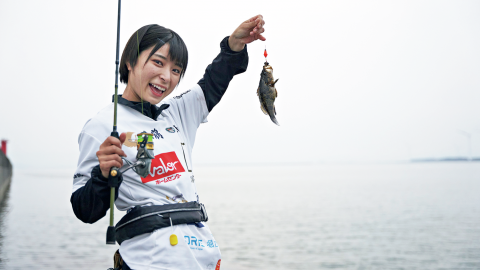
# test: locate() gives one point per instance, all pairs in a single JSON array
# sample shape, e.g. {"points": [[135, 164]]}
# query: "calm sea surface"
{"points": [[389, 216]]}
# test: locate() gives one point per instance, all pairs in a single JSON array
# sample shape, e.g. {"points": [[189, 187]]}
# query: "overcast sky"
{"points": [[358, 81]]}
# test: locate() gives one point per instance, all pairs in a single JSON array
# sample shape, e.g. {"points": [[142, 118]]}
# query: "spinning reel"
{"points": [[144, 156]]}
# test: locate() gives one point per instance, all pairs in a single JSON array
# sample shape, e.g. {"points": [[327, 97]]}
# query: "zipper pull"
{"points": [[173, 237]]}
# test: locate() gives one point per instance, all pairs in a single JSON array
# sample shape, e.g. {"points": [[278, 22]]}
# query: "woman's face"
{"points": [[154, 80]]}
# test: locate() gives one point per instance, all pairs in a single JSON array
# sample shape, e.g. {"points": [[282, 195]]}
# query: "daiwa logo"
{"points": [[78, 175], [180, 96], [164, 165]]}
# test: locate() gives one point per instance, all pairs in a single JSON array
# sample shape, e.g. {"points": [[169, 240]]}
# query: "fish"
{"points": [[267, 92]]}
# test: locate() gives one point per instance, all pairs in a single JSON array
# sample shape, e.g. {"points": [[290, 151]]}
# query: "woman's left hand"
{"points": [[249, 31]]}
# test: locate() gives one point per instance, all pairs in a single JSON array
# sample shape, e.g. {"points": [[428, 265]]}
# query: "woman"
{"points": [[153, 62]]}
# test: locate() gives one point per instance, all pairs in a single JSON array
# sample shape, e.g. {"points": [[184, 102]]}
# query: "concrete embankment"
{"points": [[5, 174]]}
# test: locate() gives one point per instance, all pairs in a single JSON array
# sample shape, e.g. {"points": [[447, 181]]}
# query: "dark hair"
{"points": [[156, 36]]}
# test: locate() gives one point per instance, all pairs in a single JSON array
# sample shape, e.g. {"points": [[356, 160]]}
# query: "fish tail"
{"points": [[274, 120]]}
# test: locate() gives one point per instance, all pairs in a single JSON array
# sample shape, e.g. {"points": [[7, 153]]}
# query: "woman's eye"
{"points": [[158, 62], [176, 70]]}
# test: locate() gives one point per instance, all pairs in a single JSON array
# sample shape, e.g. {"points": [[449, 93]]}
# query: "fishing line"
{"points": [[138, 59]]}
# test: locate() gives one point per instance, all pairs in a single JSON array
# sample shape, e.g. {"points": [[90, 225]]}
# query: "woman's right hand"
{"points": [[109, 154]]}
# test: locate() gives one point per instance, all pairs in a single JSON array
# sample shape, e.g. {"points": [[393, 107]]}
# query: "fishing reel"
{"points": [[144, 156]]}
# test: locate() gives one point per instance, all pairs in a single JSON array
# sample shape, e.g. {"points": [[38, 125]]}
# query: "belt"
{"points": [[147, 219]]}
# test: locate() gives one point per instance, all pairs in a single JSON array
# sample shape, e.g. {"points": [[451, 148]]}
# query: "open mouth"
{"points": [[157, 90]]}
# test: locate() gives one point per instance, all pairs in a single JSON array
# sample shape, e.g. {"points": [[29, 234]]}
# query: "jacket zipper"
{"points": [[185, 157]]}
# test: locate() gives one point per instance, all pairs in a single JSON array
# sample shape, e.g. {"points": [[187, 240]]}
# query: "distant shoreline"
{"points": [[446, 159]]}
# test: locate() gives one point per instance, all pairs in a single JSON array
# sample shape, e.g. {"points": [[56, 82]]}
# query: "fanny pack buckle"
{"points": [[204, 212]]}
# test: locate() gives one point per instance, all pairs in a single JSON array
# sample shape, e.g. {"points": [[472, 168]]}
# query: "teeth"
{"points": [[158, 87]]}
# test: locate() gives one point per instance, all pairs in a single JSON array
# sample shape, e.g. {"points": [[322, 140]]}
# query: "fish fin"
{"points": [[275, 81], [263, 109], [276, 93], [274, 120], [274, 110]]}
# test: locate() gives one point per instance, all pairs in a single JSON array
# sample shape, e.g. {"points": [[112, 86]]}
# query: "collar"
{"points": [[149, 110]]}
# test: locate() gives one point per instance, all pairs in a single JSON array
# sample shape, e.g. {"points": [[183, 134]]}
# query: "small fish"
{"points": [[267, 92]]}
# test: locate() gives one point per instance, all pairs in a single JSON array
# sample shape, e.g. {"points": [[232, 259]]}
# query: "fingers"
{"points": [[110, 150], [106, 165], [255, 22], [249, 24], [249, 31], [258, 27], [257, 30], [113, 141], [253, 18], [109, 154]]}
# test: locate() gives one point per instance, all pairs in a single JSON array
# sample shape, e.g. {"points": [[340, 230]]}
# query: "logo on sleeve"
{"points": [[164, 165], [180, 96], [78, 175]]}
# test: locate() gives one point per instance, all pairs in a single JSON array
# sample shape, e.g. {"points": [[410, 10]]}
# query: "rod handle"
{"points": [[112, 177], [111, 235]]}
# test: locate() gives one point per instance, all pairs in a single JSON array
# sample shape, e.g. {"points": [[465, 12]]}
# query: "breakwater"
{"points": [[5, 174]]}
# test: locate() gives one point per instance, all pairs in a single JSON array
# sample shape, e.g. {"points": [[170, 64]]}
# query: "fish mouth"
{"points": [[157, 90]]}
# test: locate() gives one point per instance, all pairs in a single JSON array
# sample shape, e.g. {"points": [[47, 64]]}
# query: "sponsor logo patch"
{"points": [[131, 140], [168, 179], [177, 198], [180, 96], [170, 129], [196, 243], [78, 175], [156, 134], [164, 165]]}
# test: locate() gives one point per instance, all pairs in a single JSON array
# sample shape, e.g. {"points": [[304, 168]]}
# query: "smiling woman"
{"points": [[162, 58], [163, 203]]}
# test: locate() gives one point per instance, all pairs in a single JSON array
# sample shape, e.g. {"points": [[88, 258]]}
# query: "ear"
{"points": [[129, 67]]}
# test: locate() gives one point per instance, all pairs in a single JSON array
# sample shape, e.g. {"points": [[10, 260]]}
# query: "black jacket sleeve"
{"points": [[220, 72], [91, 202]]}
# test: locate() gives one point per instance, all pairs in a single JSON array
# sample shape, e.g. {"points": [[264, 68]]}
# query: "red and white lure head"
{"points": [[267, 66]]}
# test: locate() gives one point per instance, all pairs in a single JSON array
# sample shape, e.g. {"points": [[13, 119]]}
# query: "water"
{"points": [[390, 216]]}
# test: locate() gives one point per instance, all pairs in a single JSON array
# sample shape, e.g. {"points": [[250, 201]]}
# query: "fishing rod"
{"points": [[145, 148], [114, 175]]}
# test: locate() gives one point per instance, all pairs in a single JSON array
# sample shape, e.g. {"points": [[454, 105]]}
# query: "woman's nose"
{"points": [[165, 76]]}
